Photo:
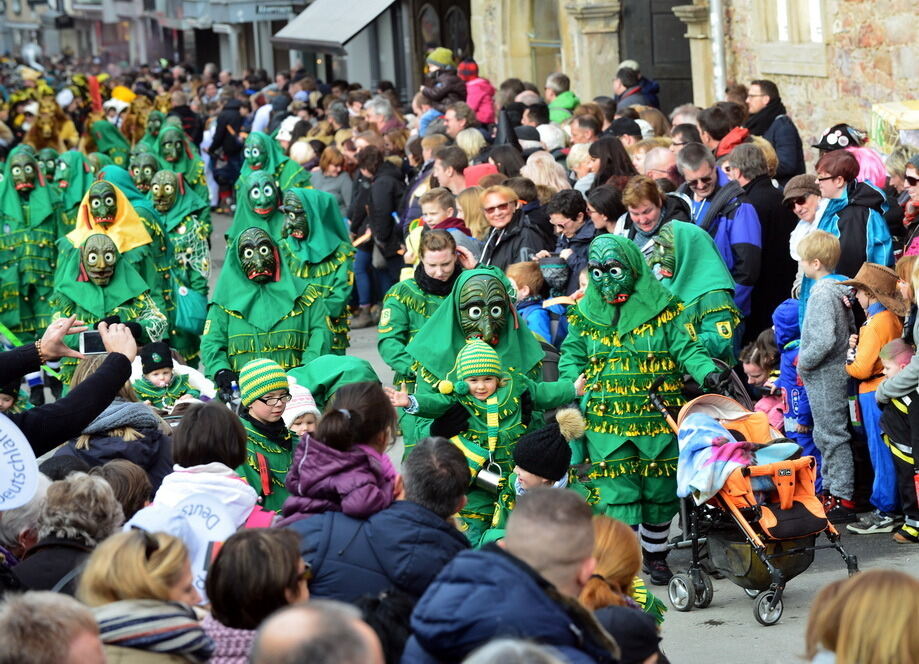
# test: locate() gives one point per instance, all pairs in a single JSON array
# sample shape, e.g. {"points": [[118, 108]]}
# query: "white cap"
{"points": [[117, 104], [64, 98], [631, 64]]}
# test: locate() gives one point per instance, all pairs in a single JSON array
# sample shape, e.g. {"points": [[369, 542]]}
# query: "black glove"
{"points": [[108, 320], [224, 380], [451, 423], [717, 382], [526, 407], [135, 328]]}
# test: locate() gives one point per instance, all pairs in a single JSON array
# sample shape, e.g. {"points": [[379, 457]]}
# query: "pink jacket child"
{"points": [[480, 93]]}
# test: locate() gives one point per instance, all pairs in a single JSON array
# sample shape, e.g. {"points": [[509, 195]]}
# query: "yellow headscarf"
{"points": [[127, 231]]}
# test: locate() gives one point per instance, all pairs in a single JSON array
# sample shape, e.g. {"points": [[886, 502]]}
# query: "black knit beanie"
{"points": [[156, 355], [545, 453]]}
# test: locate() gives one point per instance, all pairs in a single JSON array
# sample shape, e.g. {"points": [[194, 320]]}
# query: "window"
{"points": [[429, 22], [791, 37], [456, 29], [545, 40]]}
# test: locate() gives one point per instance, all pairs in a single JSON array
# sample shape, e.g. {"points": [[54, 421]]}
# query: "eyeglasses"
{"points": [[274, 401], [750, 94], [498, 208], [700, 182], [792, 203], [151, 544], [824, 179], [911, 181], [306, 575]]}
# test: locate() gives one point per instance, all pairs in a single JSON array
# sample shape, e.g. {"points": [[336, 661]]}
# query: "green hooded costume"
{"points": [[327, 373], [110, 142], [73, 176], [623, 334], [258, 205], [155, 121], [687, 263], [317, 248], [262, 153], [29, 222], [282, 318], [183, 159], [99, 160]]}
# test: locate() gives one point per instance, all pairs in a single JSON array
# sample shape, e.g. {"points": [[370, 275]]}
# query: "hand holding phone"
{"points": [[91, 343]]}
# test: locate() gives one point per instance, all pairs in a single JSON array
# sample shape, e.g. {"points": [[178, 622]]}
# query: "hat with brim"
{"points": [[800, 185], [839, 137], [881, 282]]}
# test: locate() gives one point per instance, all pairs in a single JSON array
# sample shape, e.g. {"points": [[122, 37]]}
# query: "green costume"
{"points": [[623, 334], [73, 176], [47, 162], [261, 310], [144, 165], [176, 153], [164, 397], [29, 223], [99, 160], [258, 205], [152, 130], [317, 248], [277, 457], [326, 374], [110, 142], [262, 153], [687, 263]]}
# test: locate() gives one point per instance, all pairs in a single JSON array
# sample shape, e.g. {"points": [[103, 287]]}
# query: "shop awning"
{"points": [[327, 25]]}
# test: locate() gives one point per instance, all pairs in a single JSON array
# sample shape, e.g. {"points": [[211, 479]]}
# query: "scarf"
{"points": [[41, 200], [758, 123], [327, 233], [78, 176], [152, 625], [274, 431], [699, 268], [121, 413], [98, 301], [434, 286], [127, 231]]}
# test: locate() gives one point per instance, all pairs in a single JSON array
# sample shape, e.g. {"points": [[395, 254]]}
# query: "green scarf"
{"points": [[699, 268], [645, 303], [111, 142], [327, 232], [126, 284], [327, 373], [41, 200], [261, 305], [437, 344], [79, 177]]}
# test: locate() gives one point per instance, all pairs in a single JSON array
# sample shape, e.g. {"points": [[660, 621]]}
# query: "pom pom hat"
{"points": [[476, 358]]}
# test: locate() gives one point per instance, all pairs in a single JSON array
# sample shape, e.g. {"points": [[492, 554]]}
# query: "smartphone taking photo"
{"points": [[91, 343]]}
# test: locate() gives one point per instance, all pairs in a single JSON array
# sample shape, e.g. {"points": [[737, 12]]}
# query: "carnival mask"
{"points": [[98, 258], [614, 279], [263, 194], [24, 172], [45, 125], [143, 167], [483, 308], [256, 152], [103, 203], [47, 105], [164, 188], [662, 260], [62, 174], [258, 256], [172, 142], [47, 161], [154, 123], [295, 222]]}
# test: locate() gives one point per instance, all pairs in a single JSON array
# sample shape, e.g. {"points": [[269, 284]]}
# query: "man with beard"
{"points": [[768, 118]]}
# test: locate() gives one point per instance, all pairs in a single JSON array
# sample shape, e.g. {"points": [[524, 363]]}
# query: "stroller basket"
{"points": [[740, 564]]}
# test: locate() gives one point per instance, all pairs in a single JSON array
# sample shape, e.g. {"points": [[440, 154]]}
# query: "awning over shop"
{"points": [[327, 25]]}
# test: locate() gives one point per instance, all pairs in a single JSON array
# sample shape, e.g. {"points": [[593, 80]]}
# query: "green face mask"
{"points": [[154, 123], [662, 260], [24, 172], [173, 144], [98, 257], [483, 308], [47, 161], [256, 152], [613, 278], [143, 167], [258, 255], [295, 223], [263, 194], [62, 174], [164, 188], [103, 203]]}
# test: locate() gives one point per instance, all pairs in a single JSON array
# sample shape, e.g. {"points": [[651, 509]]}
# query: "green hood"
{"points": [[327, 373], [274, 161], [41, 200], [188, 163], [327, 232], [439, 341], [122, 179], [246, 217], [188, 202], [126, 284], [79, 176], [646, 302], [111, 142], [561, 107], [699, 268]]}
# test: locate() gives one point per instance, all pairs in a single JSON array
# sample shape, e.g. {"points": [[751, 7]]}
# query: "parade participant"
{"points": [[687, 263], [262, 153], [110, 142], [176, 153], [47, 162], [493, 398], [160, 385], [73, 176], [259, 309], [318, 249], [144, 165], [624, 333], [151, 135], [99, 160], [258, 205]]}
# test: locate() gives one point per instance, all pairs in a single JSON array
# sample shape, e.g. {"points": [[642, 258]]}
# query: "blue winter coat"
{"points": [[403, 546], [788, 339], [784, 137], [487, 594], [577, 261]]}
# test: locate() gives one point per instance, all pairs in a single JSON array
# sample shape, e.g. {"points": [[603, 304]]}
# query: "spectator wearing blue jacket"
{"points": [[526, 589], [528, 283], [720, 207], [769, 119], [402, 547]]}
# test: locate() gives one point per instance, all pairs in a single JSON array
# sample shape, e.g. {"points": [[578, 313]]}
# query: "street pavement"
{"points": [[726, 631]]}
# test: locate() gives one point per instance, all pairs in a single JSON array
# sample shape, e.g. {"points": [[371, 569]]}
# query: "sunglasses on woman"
{"points": [[792, 203], [911, 181], [497, 208]]}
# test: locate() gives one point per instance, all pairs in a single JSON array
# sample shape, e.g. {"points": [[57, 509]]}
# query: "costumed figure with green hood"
{"points": [[47, 162], [176, 153], [94, 283], [29, 223], [687, 263], [258, 205], [624, 334], [144, 165], [110, 142], [260, 309], [493, 398], [317, 248], [155, 121], [261, 153], [99, 160], [182, 212], [73, 175], [327, 373]]}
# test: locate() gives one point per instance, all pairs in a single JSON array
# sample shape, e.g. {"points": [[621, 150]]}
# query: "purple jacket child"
{"points": [[358, 482]]}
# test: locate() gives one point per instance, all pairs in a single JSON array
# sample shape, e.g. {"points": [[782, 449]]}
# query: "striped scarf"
{"points": [[154, 626]]}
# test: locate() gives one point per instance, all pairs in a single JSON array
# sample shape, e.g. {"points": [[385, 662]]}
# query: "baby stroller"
{"points": [[760, 527]]}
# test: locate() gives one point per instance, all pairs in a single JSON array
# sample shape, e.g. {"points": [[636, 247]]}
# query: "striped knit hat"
{"points": [[477, 358], [259, 377]]}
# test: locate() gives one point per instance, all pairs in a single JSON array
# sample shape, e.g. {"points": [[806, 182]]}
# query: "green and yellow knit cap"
{"points": [[476, 358], [258, 378]]}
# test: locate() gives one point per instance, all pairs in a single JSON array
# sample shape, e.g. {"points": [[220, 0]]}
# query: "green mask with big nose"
{"points": [[47, 161], [24, 172], [172, 143], [164, 189], [143, 167], [258, 255], [295, 222], [154, 123], [98, 258], [103, 203], [262, 194], [483, 308], [256, 152], [608, 271], [662, 260]]}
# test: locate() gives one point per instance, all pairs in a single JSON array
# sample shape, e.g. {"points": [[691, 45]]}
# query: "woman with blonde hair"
{"points": [[139, 586], [543, 170], [469, 202], [472, 142]]}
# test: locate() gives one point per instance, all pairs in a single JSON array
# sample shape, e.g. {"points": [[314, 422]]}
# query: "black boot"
{"points": [[37, 395], [657, 569]]}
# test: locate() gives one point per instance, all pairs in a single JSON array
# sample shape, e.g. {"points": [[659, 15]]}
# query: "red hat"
{"points": [[473, 174], [467, 70]]}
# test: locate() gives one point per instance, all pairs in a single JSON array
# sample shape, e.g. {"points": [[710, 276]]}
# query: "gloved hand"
{"points": [[224, 380], [451, 423], [526, 407], [717, 382]]}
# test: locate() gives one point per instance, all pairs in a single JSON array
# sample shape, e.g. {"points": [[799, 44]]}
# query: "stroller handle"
{"points": [[658, 403]]}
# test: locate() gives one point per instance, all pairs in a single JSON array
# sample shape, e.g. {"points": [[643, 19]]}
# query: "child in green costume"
{"points": [[160, 385], [493, 399], [262, 153], [264, 393], [317, 248]]}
